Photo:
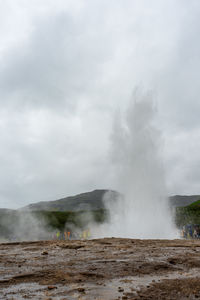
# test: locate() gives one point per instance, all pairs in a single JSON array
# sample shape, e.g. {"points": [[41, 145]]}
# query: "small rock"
{"points": [[172, 261], [45, 252], [52, 287], [81, 290], [120, 289]]}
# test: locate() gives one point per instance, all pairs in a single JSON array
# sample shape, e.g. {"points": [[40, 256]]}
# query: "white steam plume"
{"points": [[142, 211]]}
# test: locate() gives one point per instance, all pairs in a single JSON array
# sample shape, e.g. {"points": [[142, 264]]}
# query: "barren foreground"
{"points": [[100, 269]]}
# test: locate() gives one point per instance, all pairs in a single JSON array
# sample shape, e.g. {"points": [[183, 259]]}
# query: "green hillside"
{"points": [[189, 214], [195, 204]]}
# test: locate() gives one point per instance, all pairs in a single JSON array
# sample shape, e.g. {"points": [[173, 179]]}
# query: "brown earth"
{"points": [[100, 269]]}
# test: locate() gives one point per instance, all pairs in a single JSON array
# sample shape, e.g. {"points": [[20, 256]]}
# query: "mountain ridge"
{"points": [[94, 200]]}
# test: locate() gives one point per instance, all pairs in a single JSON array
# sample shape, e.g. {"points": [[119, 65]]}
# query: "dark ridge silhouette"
{"points": [[85, 201], [93, 201]]}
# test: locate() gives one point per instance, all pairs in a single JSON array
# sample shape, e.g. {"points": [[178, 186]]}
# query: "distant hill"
{"points": [[178, 201], [94, 201], [86, 201], [6, 210]]}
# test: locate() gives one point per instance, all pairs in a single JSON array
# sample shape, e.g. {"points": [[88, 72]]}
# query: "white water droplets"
{"points": [[142, 211]]}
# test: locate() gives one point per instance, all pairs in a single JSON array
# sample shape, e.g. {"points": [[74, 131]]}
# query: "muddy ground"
{"points": [[100, 269]]}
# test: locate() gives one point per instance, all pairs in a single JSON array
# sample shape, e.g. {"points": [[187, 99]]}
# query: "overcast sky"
{"points": [[67, 66]]}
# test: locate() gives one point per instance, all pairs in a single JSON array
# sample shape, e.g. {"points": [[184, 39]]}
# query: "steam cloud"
{"points": [[142, 211]]}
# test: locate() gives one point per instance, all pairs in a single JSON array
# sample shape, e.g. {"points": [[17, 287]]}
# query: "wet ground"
{"points": [[100, 269]]}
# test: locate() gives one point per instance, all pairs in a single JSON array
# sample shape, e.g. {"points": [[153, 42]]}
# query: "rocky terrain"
{"points": [[100, 269]]}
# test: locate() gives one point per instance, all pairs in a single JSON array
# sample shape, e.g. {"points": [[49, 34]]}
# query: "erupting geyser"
{"points": [[142, 211]]}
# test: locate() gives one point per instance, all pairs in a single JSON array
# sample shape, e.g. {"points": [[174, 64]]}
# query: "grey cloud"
{"points": [[64, 76], [178, 84], [56, 65]]}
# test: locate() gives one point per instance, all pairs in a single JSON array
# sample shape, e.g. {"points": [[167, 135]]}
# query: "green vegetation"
{"points": [[60, 219], [188, 215], [195, 204], [14, 223]]}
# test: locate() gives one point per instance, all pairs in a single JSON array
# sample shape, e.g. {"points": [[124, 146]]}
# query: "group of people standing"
{"points": [[69, 235], [190, 231]]}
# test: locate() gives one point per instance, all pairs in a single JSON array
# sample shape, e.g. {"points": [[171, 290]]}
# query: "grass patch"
{"points": [[187, 215]]}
